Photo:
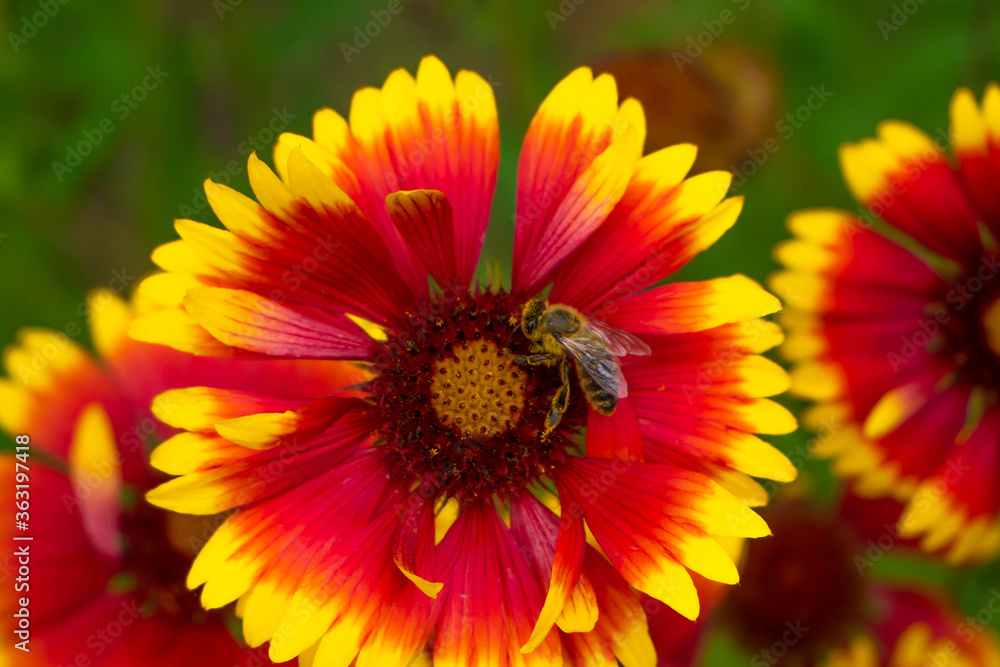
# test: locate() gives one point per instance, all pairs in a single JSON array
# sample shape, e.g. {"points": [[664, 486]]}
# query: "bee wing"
{"points": [[618, 342], [598, 362]]}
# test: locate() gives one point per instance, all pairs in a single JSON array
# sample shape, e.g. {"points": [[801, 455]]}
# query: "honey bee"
{"points": [[595, 346]]}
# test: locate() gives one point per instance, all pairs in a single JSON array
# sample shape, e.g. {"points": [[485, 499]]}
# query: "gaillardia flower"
{"points": [[105, 583], [918, 629], [895, 327], [809, 597], [479, 497]]}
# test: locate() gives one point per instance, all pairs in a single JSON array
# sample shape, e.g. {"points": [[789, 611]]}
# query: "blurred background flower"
{"points": [[892, 323], [114, 115], [105, 572], [813, 596]]}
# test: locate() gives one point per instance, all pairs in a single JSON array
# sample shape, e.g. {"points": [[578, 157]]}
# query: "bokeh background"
{"points": [[113, 114]]}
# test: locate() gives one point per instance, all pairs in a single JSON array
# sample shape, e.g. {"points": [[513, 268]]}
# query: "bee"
{"points": [[558, 329]]}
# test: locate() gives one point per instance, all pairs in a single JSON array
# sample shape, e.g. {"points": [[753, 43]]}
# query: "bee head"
{"points": [[530, 315]]}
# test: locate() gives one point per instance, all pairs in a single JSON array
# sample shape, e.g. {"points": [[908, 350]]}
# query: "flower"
{"points": [[105, 571], [800, 590], [811, 594], [918, 629], [894, 327], [450, 504]]}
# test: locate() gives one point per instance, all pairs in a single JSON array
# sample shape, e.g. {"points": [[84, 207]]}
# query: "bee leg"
{"points": [[533, 359], [560, 401]]}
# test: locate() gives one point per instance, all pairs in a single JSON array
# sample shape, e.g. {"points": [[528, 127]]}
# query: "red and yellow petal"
{"points": [[339, 598], [190, 452], [488, 614], [659, 224], [234, 482], [904, 178], [621, 632], [954, 508], [243, 319], [425, 221], [851, 295], [702, 396], [428, 132], [975, 132], [270, 429], [48, 373], [413, 551], [576, 161], [183, 333], [653, 522], [255, 547], [307, 248], [95, 469], [555, 549], [684, 307], [200, 408]]}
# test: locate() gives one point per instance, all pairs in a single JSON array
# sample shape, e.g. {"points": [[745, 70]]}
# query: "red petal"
{"points": [[413, 553], [621, 631], [652, 522], [557, 559], [575, 163], [904, 178], [616, 436], [492, 596], [424, 219], [686, 307], [656, 228], [429, 132], [976, 143], [248, 321], [248, 479]]}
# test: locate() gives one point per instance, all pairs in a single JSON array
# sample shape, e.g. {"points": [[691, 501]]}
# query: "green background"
{"points": [[229, 65]]}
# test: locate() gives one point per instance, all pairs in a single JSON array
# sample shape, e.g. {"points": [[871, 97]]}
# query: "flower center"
{"points": [[478, 390], [803, 576], [965, 330], [156, 556], [456, 411]]}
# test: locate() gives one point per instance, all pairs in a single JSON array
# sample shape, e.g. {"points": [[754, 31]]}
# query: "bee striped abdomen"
{"points": [[603, 400]]}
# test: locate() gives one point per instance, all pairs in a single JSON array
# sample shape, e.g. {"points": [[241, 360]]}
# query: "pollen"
{"points": [[453, 408], [478, 390]]}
